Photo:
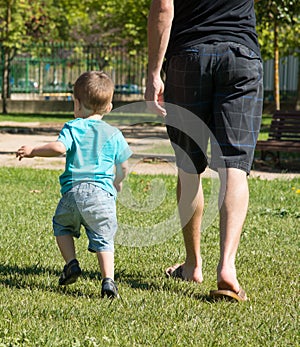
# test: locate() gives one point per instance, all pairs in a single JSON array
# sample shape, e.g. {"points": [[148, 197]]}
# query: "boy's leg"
{"points": [[66, 225], [67, 247], [106, 263], [99, 219], [72, 269]]}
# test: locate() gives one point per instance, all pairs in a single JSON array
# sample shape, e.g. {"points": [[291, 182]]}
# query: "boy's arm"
{"points": [[51, 149], [121, 172]]}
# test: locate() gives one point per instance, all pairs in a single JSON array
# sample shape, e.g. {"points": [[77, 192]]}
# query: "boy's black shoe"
{"points": [[109, 288], [70, 273]]}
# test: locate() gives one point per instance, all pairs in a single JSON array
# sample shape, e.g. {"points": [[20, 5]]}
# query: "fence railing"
{"points": [[53, 68]]}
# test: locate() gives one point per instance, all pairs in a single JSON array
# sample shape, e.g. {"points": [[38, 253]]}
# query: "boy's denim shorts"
{"points": [[221, 84], [91, 207]]}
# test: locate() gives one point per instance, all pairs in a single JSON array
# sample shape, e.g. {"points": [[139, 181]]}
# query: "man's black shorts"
{"points": [[220, 86]]}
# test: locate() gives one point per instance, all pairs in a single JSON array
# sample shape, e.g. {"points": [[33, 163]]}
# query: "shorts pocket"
{"points": [[244, 51]]}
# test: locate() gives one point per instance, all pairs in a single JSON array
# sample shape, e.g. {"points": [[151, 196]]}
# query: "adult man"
{"points": [[213, 69]]}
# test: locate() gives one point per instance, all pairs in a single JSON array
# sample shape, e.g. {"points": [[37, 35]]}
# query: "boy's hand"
{"points": [[118, 186], [24, 152]]}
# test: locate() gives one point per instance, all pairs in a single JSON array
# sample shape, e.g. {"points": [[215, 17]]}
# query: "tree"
{"points": [[23, 22], [12, 31], [125, 21], [111, 22], [278, 22]]}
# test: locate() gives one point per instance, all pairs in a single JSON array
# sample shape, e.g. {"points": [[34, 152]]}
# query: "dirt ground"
{"points": [[11, 138]]}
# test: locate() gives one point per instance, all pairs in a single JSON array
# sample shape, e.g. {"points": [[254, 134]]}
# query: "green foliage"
{"points": [[289, 36], [285, 11], [126, 21], [27, 21], [153, 310], [287, 15], [13, 15], [113, 22], [80, 20]]}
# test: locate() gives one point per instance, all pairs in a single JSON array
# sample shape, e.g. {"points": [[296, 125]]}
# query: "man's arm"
{"points": [[51, 149], [159, 28]]}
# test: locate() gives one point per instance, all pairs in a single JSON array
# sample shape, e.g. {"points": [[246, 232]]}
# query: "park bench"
{"points": [[284, 136]]}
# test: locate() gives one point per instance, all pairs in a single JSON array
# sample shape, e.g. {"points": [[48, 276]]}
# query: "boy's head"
{"points": [[93, 93]]}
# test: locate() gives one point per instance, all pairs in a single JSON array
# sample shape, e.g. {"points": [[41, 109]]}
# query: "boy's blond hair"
{"points": [[94, 90]]}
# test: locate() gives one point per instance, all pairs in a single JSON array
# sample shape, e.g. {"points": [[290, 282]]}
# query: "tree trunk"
{"points": [[41, 77], [6, 61], [276, 67], [298, 93], [5, 81]]}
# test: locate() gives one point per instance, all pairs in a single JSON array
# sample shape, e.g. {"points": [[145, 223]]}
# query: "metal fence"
{"points": [[53, 68], [289, 75]]}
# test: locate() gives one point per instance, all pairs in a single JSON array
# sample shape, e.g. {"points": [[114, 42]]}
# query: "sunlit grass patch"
{"points": [[153, 310]]}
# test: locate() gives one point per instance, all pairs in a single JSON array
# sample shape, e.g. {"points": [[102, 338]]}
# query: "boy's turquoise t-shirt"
{"points": [[93, 148]]}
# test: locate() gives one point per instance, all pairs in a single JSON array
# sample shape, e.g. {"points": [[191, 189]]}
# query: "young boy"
{"points": [[96, 164]]}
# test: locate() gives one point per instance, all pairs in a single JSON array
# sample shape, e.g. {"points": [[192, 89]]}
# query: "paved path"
{"points": [[13, 135]]}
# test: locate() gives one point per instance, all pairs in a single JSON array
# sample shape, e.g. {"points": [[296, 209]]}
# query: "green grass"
{"points": [[115, 118], [265, 127], [153, 310], [42, 118]]}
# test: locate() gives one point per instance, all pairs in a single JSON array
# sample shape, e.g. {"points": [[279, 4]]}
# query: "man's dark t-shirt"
{"points": [[207, 21]]}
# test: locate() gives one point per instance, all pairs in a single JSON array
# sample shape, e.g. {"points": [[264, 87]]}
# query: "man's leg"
{"points": [[237, 113], [234, 197], [190, 205]]}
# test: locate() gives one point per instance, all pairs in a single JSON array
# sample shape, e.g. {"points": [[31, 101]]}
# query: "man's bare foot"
{"points": [[185, 273], [227, 280], [228, 286]]}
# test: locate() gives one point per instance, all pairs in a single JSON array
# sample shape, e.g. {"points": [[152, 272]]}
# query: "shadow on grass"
{"points": [[162, 284], [14, 276]]}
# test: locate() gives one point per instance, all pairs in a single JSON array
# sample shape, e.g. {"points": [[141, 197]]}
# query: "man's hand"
{"points": [[154, 96]]}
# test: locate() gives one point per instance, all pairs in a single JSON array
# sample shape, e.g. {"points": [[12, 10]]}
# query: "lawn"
{"points": [[114, 118], [152, 310]]}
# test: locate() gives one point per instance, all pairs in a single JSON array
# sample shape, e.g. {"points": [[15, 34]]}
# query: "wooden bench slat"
{"points": [[284, 125], [290, 129], [272, 143], [280, 113], [284, 133], [284, 137]]}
